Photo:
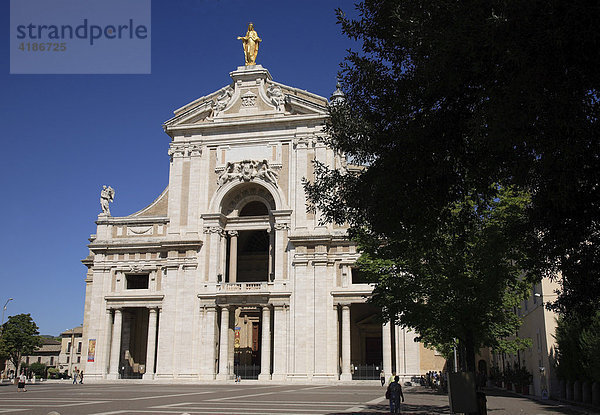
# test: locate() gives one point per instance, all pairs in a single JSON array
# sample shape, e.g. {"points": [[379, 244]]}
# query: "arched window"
{"points": [[254, 208]]}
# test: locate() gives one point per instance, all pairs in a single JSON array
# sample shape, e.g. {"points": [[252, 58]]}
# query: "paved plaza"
{"points": [[245, 398]]}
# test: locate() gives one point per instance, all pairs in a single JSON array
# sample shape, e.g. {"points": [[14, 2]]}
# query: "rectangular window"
{"points": [[137, 281], [358, 276], [69, 347], [68, 359], [51, 360], [78, 359], [79, 347], [27, 360], [39, 359]]}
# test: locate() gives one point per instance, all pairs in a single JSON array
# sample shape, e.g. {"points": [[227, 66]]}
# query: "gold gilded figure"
{"points": [[250, 44]]}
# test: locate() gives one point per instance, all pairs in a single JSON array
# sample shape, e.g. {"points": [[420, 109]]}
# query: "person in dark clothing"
{"points": [[394, 393]]}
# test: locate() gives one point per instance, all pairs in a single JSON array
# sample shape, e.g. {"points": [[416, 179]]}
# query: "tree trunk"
{"points": [[470, 352], [470, 359]]}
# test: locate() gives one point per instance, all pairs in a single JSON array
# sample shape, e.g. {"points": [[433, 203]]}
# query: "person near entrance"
{"points": [[394, 393], [392, 378], [382, 378]]}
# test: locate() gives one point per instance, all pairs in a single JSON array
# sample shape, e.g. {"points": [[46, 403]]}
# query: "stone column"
{"points": [[223, 256], [210, 343], [224, 344], [386, 340], [215, 242], [107, 342], [280, 343], [271, 233], [346, 375], [265, 346], [115, 349], [279, 250], [151, 348], [233, 256]]}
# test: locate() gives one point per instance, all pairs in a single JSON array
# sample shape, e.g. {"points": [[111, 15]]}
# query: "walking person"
{"points": [[21, 383], [81, 377], [75, 375], [394, 394], [392, 378], [382, 378]]}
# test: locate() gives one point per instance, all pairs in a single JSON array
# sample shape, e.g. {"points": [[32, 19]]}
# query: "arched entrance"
{"points": [[248, 263]]}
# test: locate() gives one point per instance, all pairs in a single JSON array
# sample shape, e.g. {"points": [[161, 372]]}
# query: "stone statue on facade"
{"points": [[250, 44], [276, 95], [223, 99], [263, 171], [231, 172], [107, 195]]}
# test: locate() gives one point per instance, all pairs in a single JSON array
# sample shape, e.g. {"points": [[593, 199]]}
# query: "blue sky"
{"points": [[64, 136]]}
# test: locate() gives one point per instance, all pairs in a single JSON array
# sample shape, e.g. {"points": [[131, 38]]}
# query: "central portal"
{"points": [[247, 343]]}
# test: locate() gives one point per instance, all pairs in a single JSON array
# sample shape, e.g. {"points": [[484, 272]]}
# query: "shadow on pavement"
{"points": [[407, 409]]}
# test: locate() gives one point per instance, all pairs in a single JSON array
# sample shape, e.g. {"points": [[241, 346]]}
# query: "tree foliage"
{"points": [[578, 342], [463, 282], [450, 105], [39, 369], [19, 338], [447, 98]]}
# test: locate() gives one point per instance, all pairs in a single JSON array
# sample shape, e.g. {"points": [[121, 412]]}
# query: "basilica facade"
{"points": [[226, 273]]}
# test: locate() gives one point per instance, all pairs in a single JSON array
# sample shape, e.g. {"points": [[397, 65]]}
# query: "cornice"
{"points": [[128, 220]]}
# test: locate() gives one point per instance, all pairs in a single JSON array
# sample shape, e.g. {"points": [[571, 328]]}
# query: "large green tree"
{"points": [[447, 98], [19, 338]]}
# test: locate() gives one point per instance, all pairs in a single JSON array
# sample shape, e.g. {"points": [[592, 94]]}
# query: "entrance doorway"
{"points": [[366, 340], [134, 342], [247, 335]]}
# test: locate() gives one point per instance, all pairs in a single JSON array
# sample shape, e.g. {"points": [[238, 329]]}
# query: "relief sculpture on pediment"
{"points": [[276, 96], [246, 171], [222, 100]]}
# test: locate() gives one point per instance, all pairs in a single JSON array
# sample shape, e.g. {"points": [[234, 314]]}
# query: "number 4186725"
{"points": [[43, 47]]}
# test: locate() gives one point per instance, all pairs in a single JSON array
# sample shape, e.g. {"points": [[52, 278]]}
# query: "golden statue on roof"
{"points": [[250, 44]]}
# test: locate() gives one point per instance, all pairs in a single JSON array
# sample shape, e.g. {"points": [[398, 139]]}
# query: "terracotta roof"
{"points": [[76, 330]]}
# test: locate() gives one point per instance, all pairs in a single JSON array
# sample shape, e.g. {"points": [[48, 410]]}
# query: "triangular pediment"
{"points": [[252, 95]]}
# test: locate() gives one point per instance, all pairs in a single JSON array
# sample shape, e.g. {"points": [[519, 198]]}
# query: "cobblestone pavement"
{"points": [[245, 398]]}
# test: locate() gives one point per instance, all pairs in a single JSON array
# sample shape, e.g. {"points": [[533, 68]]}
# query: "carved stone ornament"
{"points": [[136, 268], [223, 100], [276, 96], [184, 150], [281, 226], [248, 100], [246, 171], [213, 229], [139, 230]]}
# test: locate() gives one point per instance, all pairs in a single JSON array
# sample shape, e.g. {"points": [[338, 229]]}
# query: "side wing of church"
{"points": [[226, 273]]}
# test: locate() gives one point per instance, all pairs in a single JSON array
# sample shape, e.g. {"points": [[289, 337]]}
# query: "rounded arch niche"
{"points": [[244, 194]]}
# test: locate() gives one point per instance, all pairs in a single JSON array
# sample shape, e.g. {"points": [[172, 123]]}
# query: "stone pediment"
{"points": [[252, 95]]}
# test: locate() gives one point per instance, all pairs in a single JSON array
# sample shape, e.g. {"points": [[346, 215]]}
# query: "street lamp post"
{"points": [[2, 321], [2, 327]]}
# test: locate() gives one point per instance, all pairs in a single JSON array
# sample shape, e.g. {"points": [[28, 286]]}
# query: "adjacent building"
{"points": [[539, 325], [226, 272], [47, 354], [71, 356]]}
